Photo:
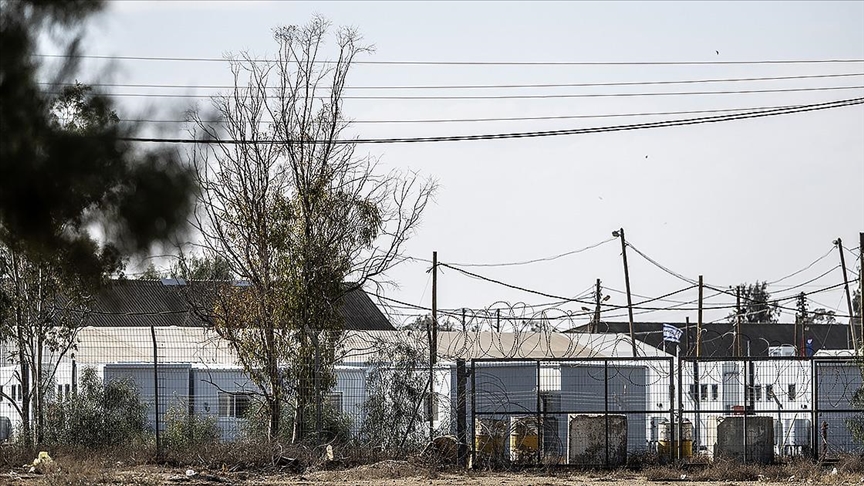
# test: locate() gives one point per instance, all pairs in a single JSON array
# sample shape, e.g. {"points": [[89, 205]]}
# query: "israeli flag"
{"points": [[672, 333]]}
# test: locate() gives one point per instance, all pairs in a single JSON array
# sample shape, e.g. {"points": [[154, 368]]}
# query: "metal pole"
{"points": [[814, 399], [461, 378], [605, 408], [861, 282], [539, 422], [473, 437], [433, 343], [620, 233], [699, 322], [856, 340], [156, 392]]}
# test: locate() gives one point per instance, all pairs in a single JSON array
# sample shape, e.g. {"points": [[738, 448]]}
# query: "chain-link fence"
{"points": [[178, 387]]}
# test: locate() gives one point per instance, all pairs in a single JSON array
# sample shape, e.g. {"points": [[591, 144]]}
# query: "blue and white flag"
{"points": [[672, 333]]}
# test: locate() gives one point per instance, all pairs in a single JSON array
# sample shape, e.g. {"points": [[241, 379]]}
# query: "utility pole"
{"points": [[433, 344], [463, 320], [861, 283], [596, 321], [737, 342], [856, 343], [498, 320], [699, 322], [800, 322], [616, 234]]}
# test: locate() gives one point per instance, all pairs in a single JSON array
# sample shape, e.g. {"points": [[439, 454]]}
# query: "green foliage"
{"points": [[184, 431], [856, 423], [335, 425], [98, 415], [295, 220], [756, 305], [395, 391]]}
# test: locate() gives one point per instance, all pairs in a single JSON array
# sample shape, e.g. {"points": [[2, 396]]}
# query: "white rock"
{"points": [[190, 473]]}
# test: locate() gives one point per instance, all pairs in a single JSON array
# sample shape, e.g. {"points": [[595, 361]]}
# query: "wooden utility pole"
{"points": [[699, 322], [620, 233], [737, 342], [433, 344], [498, 320], [856, 340], [595, 322]]}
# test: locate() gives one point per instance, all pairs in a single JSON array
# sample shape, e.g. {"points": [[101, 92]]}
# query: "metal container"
{"points": [[668, 443], [489, 438], [747, 438], [597, 440], [524, 439]]}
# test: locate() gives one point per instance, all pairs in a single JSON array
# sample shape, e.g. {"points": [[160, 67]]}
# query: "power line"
{"points": [[518, 118], [469, 63], [516, 135], [512, 97], [490, 86], [535, 260]]}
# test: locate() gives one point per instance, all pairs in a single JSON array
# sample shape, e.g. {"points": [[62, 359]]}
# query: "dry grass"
{"points": [[849, 470]]}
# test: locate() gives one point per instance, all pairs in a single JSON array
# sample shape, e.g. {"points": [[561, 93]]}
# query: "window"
{"points": [[769, 392], [792, 391], [59, 392], [1, 393], [758, 397], [715, 392], [692, 393], [703, 392], [67, 390], [233, 404]]}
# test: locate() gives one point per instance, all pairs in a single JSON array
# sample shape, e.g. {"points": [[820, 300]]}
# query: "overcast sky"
{"points": [[735, 201]]}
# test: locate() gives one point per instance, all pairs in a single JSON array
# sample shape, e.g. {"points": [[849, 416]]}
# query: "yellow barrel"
{"points": [[489, 437], [524, 438], [669, 439]]}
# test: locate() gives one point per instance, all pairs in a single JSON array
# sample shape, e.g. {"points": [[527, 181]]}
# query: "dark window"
{"points": [[769, 392], [758, 393], [715, 392], [233, 404], [703, 392], [792, 395]]}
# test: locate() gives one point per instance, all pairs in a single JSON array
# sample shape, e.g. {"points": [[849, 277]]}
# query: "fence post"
{"points": [[156, 393], [461, 437], [680, 434], [605, 407], [671, 431], [814, 418], [537, 423], [473, 414]]}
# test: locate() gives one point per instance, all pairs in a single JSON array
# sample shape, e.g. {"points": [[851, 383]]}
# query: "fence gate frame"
{"points": [[666, 366]]}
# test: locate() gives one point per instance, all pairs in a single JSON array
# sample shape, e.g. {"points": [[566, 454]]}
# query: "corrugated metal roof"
{"points": [[145, 303], [96, 345]]}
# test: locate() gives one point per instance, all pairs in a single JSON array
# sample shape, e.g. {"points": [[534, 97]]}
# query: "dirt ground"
{"points": [[382, 473]]}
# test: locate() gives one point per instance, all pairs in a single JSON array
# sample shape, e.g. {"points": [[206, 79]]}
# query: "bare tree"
{"points": [[42, 308], [296, 213]]}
